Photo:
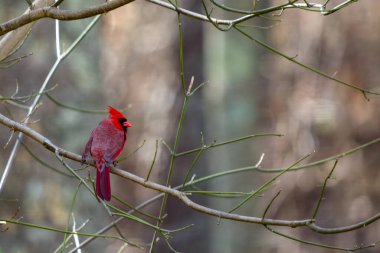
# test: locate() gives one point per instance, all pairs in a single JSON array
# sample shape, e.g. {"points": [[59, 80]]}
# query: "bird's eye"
{"points": [[121, 121]]}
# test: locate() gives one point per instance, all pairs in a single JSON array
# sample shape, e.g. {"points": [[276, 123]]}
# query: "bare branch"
{"points": [[323, 190], [55, 13], [10, 43], [181, 195], [35, 103], [37, 137], [337, 230]]}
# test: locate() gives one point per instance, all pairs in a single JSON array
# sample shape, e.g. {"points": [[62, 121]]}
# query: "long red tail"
{"points": [[103, 185]]}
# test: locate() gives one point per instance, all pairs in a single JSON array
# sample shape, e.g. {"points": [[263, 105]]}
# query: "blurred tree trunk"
{"points": [[231, 102], [140, 71], [317, 114]]}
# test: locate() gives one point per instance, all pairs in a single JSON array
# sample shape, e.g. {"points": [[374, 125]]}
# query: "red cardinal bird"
{"points": [[105, 144]]}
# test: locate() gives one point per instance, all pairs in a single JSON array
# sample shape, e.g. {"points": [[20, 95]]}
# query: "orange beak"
{"points": [[127, 124]]}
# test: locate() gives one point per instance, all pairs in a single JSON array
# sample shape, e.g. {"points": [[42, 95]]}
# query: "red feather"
{"points": [[115, 113], [105, 144]]}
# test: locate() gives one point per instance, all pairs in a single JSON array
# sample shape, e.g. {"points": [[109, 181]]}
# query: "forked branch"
{"points": [[310, 223]]}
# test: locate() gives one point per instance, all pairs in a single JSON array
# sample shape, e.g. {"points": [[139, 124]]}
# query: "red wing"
{"points": [[108, 141], [87, 151]]}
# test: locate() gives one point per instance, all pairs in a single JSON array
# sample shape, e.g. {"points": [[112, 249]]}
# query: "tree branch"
{"points": [[337, 230], [181, 195], [10, 43], [55, 13], [38, 138]]}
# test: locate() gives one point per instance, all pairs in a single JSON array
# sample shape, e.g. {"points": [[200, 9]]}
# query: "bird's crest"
{"points": [[115, 113]]}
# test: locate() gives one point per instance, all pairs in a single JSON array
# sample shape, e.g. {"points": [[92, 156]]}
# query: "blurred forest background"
{"points": [[130, 60]]}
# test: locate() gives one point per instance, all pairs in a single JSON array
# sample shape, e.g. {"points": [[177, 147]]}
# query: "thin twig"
{"points": [[134, 209], [38, 97], [307, 67], [153, 161], [179, 127], [60, 14], [131, 153], [26, 98], [77, 109], [67, 232], [264, 186], [75, 235], [192, 165], [321, 161], [148, 202], [71, 215], [323, 190], [320, 245], [182, 196], [70, 236], [218, 144], [270, 203]]}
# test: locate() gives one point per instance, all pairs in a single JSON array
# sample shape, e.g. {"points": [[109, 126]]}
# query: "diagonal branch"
{"points": [[337, 230], [38, 138], [60, 14], [10, 43], [36, 100], [55, 13], [181, 195]]}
